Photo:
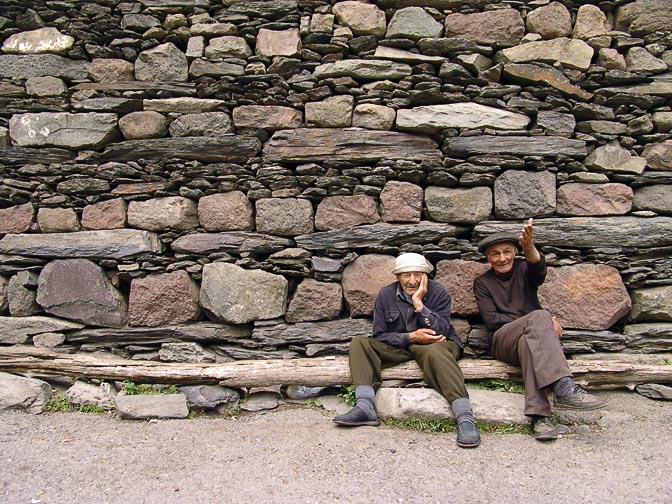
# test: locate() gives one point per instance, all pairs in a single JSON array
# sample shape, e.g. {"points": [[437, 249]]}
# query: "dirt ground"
{"points": [[296, 455]]}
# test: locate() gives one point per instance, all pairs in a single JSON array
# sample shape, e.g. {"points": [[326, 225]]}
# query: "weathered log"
{"points": [[315, 372]]}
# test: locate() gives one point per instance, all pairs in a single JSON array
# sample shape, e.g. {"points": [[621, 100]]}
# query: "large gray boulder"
{"points": [[164, 62], [170, 298], [585, 296], [363, 278], [522, 194], [80, 290], [21, 393], [232, 294], [90, 130]]}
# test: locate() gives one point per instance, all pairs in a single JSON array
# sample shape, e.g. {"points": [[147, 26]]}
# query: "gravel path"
{"points": [[296, 455]]}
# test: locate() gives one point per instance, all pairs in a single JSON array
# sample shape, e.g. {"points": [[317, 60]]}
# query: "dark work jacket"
{"points": [[504, 298], [394, 317]]}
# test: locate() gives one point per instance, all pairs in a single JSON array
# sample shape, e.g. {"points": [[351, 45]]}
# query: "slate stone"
{"points": [[164, 299], [500, 28], [79, 290], [526, 73], [16, 219], [652, 304], [26, 155], [648, 338], [362, 280], [22, 393], [614, 158], [232, 241], [284, 216], [210, 396], [112, 244], [237, 296], [164, 62], [659, 155], [363, 69], [489, 406], [17, 330], [461, 205], [230, 211], [142, 407], [585, 296], [185, 352], [62, 129], [224, 148], [321, 144], [590, 232], [570, 53], [24, 66], [361, 18], [196, 331], [21, 294], [458, 277], [312, 332], [338, 212], [594, 199], [380, 234], [432, 118], [160, 214], [516, 145], [401, 202], [313, 301], [522, 194]]}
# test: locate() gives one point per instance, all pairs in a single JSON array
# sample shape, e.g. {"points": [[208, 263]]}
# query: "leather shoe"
{"points": [[356, 417], [579, 399], [468, 435], [544, 430]]}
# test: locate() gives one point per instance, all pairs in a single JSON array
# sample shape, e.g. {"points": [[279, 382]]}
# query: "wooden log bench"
{"points": [[320, 371]]}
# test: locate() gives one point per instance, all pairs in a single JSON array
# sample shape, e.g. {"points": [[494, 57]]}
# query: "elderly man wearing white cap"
{"points": [[411, 321]]}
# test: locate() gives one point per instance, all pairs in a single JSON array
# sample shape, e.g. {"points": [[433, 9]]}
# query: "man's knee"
{"points": [[540, 316], [359, 343]]}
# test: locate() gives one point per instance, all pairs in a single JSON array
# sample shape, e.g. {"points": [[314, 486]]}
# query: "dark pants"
{"points": [[438, 361], [532, 343]]}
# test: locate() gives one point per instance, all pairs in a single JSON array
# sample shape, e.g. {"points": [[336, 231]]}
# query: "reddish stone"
{"points": [[16, 219], [363, 278], [164, 299], [401, 202], [110, 214], [315, 300], [337, 212], [458, 277]]}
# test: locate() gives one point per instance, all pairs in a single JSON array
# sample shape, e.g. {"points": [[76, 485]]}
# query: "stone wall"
{"points": [[209, 180]]}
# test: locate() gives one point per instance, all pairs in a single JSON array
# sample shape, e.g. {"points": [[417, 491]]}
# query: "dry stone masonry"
{"points": [[217, 180]]}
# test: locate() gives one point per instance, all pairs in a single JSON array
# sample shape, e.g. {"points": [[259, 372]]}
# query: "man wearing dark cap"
{"points": [[522, 333], [411, 320]]}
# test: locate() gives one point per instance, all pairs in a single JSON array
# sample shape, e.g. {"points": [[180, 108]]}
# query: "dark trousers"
{"points": [[532, 343], [438, 361]]}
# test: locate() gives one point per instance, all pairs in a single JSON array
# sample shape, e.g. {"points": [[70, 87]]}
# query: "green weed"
{"points": [[442, 425], [665, 362], [131, 388], [497, 384], [91, 408], [58, 403], [348, 395]]}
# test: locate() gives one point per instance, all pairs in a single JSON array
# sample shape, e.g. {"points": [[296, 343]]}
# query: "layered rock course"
{"points": [[209, 181]]}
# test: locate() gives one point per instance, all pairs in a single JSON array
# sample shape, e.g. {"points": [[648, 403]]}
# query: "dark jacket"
{"points": [[504, 298], [394, 317]]}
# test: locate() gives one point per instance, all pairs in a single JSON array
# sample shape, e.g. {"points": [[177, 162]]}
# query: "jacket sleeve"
{"points": [[536, 273], [488, 310], [435, 313]]}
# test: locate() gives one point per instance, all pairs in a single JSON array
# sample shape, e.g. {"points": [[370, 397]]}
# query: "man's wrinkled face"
{"points": [[410, 281], [501, 256]]}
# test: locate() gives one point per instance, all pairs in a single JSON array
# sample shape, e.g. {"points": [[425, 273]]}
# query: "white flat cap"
{"points": [[411, 262]]}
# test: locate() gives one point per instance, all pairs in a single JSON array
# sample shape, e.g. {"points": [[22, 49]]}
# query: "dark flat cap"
{"points": [[497, 238]]}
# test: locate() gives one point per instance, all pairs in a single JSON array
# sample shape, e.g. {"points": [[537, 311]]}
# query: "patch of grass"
{"points": [[91, 408], [314, 403], [442, 425], [497, 384], [665, 362], [131, 388], [58, 403], [348, 394]]}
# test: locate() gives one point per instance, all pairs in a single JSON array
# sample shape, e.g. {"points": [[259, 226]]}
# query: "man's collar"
{"points": [[402, 296]]}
